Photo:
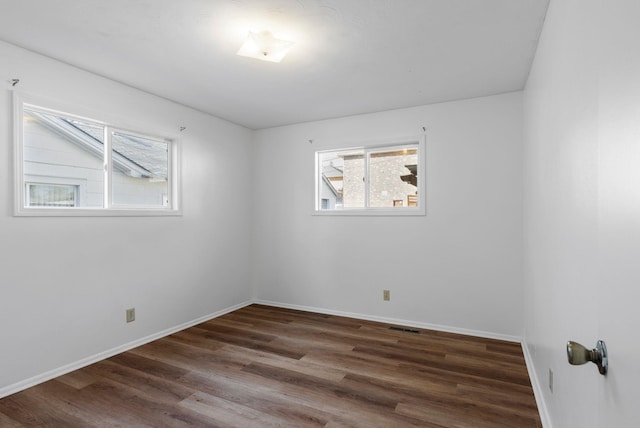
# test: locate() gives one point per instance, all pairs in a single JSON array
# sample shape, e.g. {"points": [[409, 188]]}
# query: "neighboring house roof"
{"points": [[411, 178], [332, 173], [149, 154], [134, 156]]}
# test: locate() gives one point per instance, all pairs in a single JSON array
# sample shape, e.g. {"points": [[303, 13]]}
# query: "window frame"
{"points": [[367, 150], [20, 101]]}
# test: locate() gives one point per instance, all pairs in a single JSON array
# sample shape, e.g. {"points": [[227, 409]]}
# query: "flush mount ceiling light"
{"points": [[265, 47]]}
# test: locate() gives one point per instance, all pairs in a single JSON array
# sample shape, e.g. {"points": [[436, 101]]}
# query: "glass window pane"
{"points": [[342, 179], [140, 171], [58, 150], [51, 195], [393, 178]]}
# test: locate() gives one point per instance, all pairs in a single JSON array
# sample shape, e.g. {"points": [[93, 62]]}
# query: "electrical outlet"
{"points": [[386, 295], [551, 380], [131, 315]]}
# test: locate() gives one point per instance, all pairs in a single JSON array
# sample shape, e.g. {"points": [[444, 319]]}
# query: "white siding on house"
{"points": [[49, 158], [138, 191], [327, 194]]}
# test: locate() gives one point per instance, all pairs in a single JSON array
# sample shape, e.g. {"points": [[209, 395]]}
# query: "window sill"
{"points": [[393, 212], [97, 212]]}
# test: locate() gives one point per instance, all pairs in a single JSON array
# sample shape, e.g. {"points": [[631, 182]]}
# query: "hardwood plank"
{"points": [[229, 413], [250, 339], [35, 408], [162, 390], [460, 418], [383, 370], [77, 379], [153, 366], [271, 398], [508, 402], [19, 408], [141, 409], [291, 377], [91, 409], [448, 375], [188, 358], [307, 337], [247, 356], [195, 337], [7, 422]]}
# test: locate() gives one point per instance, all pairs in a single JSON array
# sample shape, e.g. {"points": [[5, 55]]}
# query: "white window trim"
{"points": [[20, 208], [420, 210]]}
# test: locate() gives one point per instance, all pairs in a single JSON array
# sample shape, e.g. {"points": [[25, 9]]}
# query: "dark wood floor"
{"points": [[262, 366]]}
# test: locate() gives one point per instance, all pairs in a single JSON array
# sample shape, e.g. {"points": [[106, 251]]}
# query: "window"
{"points": [[68, 165], [51, 195], [386, 180]]}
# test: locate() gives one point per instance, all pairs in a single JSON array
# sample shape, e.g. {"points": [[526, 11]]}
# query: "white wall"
{"points": [[65, 282], [458, 267], [582, 209]]}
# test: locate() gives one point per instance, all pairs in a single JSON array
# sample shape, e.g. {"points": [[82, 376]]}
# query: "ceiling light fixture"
{"points": [[265, 47]]}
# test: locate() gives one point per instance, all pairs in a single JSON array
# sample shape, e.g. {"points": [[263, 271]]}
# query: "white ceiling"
{"points": [[350, 56]]}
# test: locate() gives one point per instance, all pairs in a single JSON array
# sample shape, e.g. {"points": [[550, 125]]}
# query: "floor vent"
{"points": [[406, 330]]}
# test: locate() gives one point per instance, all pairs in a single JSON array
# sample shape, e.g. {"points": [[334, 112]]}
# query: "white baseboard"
{"points": [[408, 323], [35, 380], [537, 387]]}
